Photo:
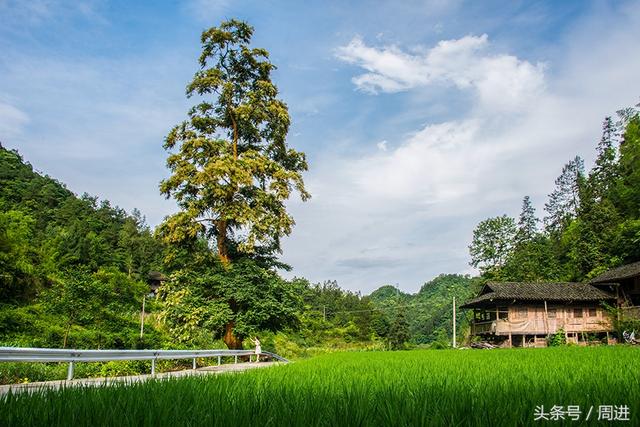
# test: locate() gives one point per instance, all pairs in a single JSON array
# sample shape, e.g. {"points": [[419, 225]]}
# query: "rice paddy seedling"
{"points": [[449, 387]]}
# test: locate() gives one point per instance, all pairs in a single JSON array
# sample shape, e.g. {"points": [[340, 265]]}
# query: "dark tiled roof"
{"points": [[156, 275], [619, 273], [537, 291]]}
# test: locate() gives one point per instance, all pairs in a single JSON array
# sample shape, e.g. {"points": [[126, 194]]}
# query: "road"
{"points": [[96, 382]]}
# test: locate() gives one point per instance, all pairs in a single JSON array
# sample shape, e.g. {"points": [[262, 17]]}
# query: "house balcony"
{"points": [[539, 326]]}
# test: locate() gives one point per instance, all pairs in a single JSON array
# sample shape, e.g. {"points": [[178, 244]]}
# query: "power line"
{"points": [[369, 310]]}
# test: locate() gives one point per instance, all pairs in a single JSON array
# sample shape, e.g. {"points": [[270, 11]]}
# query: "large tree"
{"points": [[628, 186], [604, 174], [532, 257], [564, 201], [231, 169], [527, 223]]}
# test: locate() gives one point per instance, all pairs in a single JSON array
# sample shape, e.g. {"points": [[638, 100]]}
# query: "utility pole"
{"points": [[454, 322]]}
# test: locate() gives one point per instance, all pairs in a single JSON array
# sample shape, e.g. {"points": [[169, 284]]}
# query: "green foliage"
{"points": [[232, 170], [399, 331], [328, 310], [557, 339], [532, 258], [627, 188], [55, 230], [527, 223], [18, 278], [245, 294], [99, 301], [563, 202], [431, 316], [492, 243]]}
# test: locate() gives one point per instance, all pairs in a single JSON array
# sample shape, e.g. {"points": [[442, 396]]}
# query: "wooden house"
{"points": [[519, 314], [155, 280], [623, 282]]}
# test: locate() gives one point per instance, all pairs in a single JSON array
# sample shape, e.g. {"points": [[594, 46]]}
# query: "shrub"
{"points": [[557, 339]]}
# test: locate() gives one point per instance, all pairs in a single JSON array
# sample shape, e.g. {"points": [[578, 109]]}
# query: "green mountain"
{"points": [[429, 312]]}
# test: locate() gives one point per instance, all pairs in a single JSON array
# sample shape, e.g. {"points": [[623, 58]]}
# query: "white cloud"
{"points": [[104, 132], [434, 164], [12, 120], [407, 214], [382, 145], [36, 12], [502, 82]]}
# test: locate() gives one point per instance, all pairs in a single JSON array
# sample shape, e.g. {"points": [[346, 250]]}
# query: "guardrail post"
{"points": [[194, 363], [70, 371], [236, 359], [218, 360], [153, 366]]}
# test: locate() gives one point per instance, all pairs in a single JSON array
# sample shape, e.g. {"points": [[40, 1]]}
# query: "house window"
{"points": [[523, 312], [577, 312], [593, 312], [503, 312], [551, 313]]}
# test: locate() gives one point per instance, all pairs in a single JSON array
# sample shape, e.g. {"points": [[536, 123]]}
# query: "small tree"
{"points": [[557, 339], [492, 244], [399, 331]]}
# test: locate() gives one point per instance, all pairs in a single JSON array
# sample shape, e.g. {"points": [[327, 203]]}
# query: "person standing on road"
{"points": [[256, 341]]}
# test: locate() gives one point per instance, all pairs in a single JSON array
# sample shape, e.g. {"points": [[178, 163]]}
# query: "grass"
{"points": [[449, 387]]}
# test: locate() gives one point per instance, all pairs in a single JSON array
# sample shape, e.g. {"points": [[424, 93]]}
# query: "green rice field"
{"points": [[411, 388]]}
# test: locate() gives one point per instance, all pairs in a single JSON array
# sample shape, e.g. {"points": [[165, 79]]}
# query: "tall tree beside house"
{"points": [[532, 257], [493, 241], [527, 222], [564, 200], [231, 168], [628, 185], [604, 173], [594, 230], [626, 194], [591, 235]]}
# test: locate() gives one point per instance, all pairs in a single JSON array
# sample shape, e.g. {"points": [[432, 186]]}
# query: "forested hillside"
{"points": [[72, 270], [591, 221]]}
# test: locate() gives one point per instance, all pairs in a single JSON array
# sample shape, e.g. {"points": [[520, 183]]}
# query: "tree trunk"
{"points": [[230, 339], [223, 252], [66, 335]]}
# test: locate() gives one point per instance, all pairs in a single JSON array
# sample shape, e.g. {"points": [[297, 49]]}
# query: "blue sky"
{"points": [[419, 119]]}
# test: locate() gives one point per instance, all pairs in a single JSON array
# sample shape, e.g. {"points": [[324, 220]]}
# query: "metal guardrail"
{"points": [[15, 354]]}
